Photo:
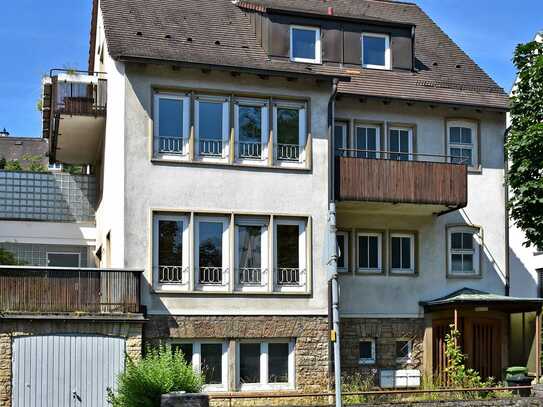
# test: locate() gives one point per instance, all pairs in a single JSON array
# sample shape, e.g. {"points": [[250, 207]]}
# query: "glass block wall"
{"points": [[54, 197]]}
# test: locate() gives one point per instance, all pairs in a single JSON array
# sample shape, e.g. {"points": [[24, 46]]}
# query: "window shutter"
{"points": [[352, 48], [331, 44], [401, 50], [280, 39]]}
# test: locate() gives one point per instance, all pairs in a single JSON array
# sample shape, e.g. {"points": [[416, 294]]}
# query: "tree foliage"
{"points": [[8, 259], [525, 143]]}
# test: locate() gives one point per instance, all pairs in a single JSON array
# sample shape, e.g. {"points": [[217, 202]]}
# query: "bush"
{"points": [[8, 259], [160, 371], [13, 165]]}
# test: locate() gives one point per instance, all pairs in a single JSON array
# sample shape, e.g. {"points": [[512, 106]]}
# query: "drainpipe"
{"points": [[506, 195], [334, 334]]}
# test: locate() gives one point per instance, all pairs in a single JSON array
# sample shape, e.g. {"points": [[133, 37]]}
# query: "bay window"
{"points": [[251, 237], [211, 254], [171, 125], [212, 126], [209, 358], [369, 252], [170, 257], [251, 129], [290, 254], [289, 132], [265, 365]]}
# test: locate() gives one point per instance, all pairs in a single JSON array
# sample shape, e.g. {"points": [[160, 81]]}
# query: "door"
{"points": [[483, 346], [65, 370]]}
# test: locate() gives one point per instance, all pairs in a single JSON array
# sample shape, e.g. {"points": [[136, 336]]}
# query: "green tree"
{"points": [[524, 144], [8, 258]]}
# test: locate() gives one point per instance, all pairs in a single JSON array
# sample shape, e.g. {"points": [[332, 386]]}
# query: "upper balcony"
{"points": [[74, 109], [62, 290], [398, 182]]}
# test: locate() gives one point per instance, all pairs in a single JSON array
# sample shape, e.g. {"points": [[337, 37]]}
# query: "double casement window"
{"points": [[369, 252], [170, 257], [265, 365], [251, 129], [260, 262], [211, 256], [402, 253], [251, 240], [367, 141], [289, 124], [211, 126], [462, 141], [376, 51], [290, 254], [171, 125], [400, 143], [342, 240], [366, 352], [209, 358], [305, 44], [464, 251]]}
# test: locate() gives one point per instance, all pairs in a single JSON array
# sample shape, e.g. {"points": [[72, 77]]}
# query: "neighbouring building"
{"points": [[24, 150], [221, 132]]}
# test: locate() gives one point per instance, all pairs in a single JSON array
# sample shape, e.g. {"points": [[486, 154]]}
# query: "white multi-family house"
{"points": [[221, 133]]}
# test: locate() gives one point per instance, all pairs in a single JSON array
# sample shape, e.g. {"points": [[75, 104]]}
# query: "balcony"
{"points": [[389, 181], [46, 290], [74, 110]]}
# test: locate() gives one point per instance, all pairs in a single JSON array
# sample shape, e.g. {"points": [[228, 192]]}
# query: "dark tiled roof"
{"points": [[14, 148], [221, 35]]}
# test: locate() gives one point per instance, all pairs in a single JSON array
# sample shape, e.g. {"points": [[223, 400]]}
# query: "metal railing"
{"points": [[80, 94], [251, 275], [289, 276], [250, 149], [399, 156], [211, 275], [288, 152], [67, 290], [172, 274], [210, 147], [171, 145]]}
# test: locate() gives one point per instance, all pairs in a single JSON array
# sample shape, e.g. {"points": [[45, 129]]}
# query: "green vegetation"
{"points": [[160, 371], [28, 162], [524, 144], [8, 259]]}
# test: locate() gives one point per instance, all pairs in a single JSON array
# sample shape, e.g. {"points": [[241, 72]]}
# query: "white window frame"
{"points": [[409, 357], [185, 284], [474, 147], [377, 136], [264, 106], [264, 385], [388, 58], [318, 49], [379, 268], [225, 221], [302, 132], [412, 237], [410, 135], [197, 361], [264, 244], [346, 243], [302, 255], [367, 361], [225, 126], [185, 125], [344, 137], [476, 252], [64, 253]]}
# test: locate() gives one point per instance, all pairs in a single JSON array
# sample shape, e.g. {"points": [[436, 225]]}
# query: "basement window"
{"points": [[366, 349], [305, 44]]}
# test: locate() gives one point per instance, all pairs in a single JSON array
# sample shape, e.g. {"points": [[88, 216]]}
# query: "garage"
{"points": [[66, 370]]}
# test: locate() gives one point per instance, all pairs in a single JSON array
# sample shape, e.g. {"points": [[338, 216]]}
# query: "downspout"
{"points": [[334, 334], [506, 234]]}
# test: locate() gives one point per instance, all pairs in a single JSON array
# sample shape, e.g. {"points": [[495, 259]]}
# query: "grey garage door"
{"points": [[65, 370]]}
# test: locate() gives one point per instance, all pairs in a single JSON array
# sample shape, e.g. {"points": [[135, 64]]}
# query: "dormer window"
{"points": [[375, 51], [305, 44]]}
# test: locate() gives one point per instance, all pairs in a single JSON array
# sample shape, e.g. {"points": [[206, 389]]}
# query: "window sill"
{"points": [[370, 272], [223, 164], [464, 277], [265, 387], [475, 170], [397, 273], [186, 293]]}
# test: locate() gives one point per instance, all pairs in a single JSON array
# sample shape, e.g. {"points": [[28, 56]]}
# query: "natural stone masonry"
{"points": [[310, 333], [510, 402], [384, 331], [10, 328]]}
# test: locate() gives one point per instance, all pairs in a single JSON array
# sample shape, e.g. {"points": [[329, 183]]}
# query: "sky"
{"points": [[37, 35]]}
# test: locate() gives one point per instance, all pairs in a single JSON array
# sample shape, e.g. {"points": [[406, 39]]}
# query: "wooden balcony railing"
{"points": [[380, 178], [47, 290]]}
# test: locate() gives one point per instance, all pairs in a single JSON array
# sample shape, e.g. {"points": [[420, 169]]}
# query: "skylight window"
{"points": [[305, 44]]}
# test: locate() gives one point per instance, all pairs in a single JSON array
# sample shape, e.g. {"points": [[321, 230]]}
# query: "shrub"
{"points": [[13, 165], [8, 259], [160, 371]]}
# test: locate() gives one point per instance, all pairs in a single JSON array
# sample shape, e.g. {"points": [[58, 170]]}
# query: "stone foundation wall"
{"points": [[310, 333], [11, 328], [385, 332]]}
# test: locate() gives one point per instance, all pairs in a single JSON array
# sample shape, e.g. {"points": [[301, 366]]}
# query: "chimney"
{"points": [[330, 11]]}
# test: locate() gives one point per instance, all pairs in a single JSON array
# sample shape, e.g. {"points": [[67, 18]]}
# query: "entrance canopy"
{"points": [[469, 298]]}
